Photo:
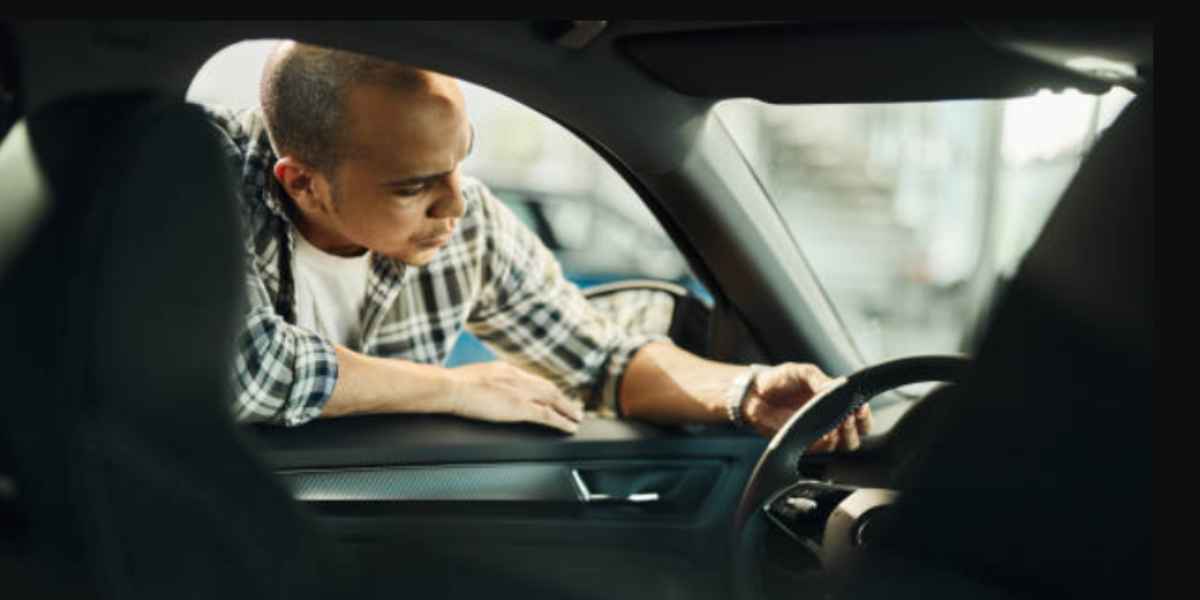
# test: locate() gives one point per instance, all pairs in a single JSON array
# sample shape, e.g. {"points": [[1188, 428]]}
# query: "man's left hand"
{"points": [[780, 391]]}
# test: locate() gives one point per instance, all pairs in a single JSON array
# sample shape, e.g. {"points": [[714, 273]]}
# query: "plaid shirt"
{"points": [[494, 278]]}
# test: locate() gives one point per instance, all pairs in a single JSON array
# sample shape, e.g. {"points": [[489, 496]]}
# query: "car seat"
{"points": [[126, 475], [1037, 480]]}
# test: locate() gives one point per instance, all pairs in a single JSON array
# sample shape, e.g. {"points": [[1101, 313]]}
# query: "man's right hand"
{"points": [[498, 391]]}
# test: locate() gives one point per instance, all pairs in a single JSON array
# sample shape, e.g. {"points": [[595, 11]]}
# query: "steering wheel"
{"points": [[776, 483]]}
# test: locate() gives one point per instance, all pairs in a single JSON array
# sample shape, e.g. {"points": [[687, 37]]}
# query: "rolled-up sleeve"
{"points": [[283, 374], [529, 314]]}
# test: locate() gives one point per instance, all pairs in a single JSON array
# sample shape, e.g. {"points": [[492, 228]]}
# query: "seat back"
{"points": [[119, 310], [1038, 480]]}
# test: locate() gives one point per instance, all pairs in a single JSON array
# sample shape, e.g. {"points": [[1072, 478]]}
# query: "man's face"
{"points": [[396, 190]]}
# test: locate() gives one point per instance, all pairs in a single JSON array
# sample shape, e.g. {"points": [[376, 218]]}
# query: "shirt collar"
{"points": [[260, 165]]}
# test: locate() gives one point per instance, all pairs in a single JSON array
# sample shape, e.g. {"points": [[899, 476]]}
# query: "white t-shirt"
{"points": [[329, 292]]}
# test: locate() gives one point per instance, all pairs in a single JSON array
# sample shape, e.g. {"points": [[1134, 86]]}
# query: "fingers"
{"points": [[549, 395], [849, 434], [856, 427], [503, 393], [544, 414], [566, 407], [554, 409], [817, 378], [827, 443], [794, 384], [865, 420], [767, 420], [546, 398]]}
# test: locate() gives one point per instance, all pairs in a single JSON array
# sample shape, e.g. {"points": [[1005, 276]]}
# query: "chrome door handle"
{"points": [[587, 496]]}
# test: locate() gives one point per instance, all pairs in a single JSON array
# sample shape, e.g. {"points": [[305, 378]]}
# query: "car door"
{"points": [[444, 507], [435, 506], [447, 507]]}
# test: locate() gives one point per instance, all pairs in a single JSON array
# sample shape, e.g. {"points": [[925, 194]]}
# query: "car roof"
{"points": [[654, 76], [815, 60]]}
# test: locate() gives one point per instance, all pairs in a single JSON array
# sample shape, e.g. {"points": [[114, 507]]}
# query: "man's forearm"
{"points": [[369, 384], [668, 385], [492, 391], [665, 384], [662, 383]]}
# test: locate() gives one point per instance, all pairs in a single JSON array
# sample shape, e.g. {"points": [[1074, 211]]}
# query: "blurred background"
{"points": [[912, 215]]}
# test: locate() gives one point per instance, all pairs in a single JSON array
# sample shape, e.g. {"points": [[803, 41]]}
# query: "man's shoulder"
{"points": [[479, 197], [243, 130], [491, 214], [489, 218], [474, 191], [236, 122], [480, 204], [249, 153], [225, 120]]}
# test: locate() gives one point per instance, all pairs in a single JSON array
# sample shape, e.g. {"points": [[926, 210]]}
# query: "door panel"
{"points": [[682, 485], [410, 495]]}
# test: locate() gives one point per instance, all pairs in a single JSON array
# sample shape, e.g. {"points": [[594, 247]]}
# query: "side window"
{"points": [[912, 214], [596, 225]]}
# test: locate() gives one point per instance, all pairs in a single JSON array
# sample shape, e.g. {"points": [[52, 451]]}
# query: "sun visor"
{"points": [[847, 62]]}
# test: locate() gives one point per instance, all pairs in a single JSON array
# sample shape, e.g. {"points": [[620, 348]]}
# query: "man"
{"points": [[369, 251]]}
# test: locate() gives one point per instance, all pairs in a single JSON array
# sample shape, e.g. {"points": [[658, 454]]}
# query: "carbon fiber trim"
{"points": [[511, 483]]}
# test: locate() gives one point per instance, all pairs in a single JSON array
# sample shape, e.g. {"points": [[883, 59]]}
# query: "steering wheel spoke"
{"points": [[830, 520]]}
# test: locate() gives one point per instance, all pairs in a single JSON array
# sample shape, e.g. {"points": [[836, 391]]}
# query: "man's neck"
{"points": [[321, 235]]}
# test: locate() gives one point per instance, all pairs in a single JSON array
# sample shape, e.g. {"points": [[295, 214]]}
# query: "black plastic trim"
{"points": [[389, 440]]}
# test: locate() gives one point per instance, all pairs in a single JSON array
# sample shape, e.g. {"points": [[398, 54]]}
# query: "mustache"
{"points": [[435, 235]]}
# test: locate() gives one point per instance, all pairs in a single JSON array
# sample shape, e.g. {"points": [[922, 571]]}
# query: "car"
{"points": [[123, 475]]}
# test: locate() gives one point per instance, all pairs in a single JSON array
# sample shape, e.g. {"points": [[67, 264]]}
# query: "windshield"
{"points": [[912, 214]]}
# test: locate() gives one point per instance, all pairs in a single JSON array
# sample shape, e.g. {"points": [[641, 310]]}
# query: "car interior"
{"points": [[123, 474]]}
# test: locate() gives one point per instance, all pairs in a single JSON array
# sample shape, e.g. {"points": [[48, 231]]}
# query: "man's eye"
{"points": [[411, 190]]}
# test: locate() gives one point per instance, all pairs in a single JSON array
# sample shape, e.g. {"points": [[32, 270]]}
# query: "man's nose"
{"points": [[449, 204]]}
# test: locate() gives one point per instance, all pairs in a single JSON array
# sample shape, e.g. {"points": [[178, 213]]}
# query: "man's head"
{"points": [[368, 150]]}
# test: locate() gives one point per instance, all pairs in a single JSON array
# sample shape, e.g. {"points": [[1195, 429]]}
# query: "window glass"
{"points": [[581, 208], [912, 213]]}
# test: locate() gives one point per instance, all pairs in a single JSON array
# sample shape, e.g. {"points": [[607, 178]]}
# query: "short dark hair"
{"points": [[303, 97]]}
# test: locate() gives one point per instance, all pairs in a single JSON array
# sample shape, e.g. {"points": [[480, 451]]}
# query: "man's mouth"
{"points": [[436, 240]]}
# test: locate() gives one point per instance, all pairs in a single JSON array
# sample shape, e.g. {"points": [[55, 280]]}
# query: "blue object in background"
{"points": [[468, 349]]}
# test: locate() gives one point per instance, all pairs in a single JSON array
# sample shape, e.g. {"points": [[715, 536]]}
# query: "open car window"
{"points": [[596, 225], [913, 214]]}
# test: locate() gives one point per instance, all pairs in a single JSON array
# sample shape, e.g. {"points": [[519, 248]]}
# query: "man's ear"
{"points": [[302, 183]]}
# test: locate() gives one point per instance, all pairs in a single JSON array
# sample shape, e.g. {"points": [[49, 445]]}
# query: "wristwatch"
{"points": [[736, 394]]}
